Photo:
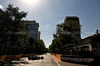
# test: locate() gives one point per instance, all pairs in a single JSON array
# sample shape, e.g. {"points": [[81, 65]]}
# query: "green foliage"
{"points": [[14, 14], [64, 35], [13, 29], [13, 32]]}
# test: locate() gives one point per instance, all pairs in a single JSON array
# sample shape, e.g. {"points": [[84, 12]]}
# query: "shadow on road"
{"points": [[14, 62]]}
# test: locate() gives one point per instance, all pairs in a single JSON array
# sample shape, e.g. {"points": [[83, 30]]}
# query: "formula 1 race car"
{"points": [[35, 57]]}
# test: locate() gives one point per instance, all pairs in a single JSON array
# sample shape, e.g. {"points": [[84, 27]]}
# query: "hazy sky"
{"points": [[49, 13]]}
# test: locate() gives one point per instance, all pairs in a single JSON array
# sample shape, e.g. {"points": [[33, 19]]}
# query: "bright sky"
{"points": [[49, 13]]}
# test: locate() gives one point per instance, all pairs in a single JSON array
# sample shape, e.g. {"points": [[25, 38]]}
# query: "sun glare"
{"points": [[31, 1]]}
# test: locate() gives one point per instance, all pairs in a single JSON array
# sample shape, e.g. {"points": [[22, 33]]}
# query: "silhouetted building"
{"points": [[75, 18], [77, 25], [33, 29], [88, 39], [39, 35], [42, 42]]}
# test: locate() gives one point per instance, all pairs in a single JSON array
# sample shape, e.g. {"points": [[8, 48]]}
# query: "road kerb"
{"points": [[56, 61]]}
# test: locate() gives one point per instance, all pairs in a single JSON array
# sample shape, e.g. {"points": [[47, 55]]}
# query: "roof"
{"points": [[72, 18], [67, 18], [89, 37]]}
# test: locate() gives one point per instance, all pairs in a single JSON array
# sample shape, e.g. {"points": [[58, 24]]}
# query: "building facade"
{"points": [[33, 30], [39, 35], [75, 19], [42, 42]]}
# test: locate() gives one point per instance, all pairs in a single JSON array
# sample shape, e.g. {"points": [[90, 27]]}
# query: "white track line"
{"points": [[56, 62]]}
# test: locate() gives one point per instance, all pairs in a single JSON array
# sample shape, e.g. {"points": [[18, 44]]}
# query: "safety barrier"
{"points": [[11, 57], [58, 56], [2, 58], [78, 59]]}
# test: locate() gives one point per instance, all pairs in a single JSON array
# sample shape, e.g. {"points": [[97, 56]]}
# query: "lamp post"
{"points": [[97, 32]]}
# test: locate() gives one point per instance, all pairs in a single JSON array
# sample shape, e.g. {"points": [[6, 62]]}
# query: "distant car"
{"points": [[35, 57]]}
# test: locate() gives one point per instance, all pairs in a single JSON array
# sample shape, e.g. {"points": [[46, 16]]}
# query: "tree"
{"points": [[64, 35], [13, 32], [12, 28]]}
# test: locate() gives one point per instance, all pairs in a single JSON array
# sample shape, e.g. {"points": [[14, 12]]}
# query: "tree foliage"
{"points": [[12, 25], [64, 35], [14, 33]]}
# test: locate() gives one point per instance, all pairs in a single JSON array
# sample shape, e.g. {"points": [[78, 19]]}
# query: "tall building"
{"points": [[77, 24], [75, 18], [39, 35], [42, 42], [33, 29]]}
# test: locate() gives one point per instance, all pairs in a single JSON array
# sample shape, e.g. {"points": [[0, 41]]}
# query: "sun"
{"points": [[33, 4], [31, 1]]}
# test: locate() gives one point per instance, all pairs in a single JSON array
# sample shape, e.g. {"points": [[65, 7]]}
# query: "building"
{"points": [[88, 39], [75, 18], [77, 24], [39, 35], [42, 42], [33, 29]]}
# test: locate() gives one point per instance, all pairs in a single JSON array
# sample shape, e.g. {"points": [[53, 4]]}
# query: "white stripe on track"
{"points": [[56, 62]]}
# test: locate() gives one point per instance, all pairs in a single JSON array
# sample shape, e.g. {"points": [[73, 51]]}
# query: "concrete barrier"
{"points": [[54, 54], [58, 56], [2, 58], [18, 56], [11, 57], [78, 59]]}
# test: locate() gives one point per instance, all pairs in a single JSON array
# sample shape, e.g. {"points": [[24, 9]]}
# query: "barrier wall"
{"points": [[81, 60], [54, 54], [2, 58], [11, 57], [58, 56], [78, 59]]}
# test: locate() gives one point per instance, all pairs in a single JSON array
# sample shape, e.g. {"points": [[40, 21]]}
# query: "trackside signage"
{"points": [[73, 59]]}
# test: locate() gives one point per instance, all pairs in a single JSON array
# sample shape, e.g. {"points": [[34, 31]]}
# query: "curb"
{"points": [[57, 59]]}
